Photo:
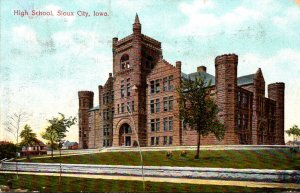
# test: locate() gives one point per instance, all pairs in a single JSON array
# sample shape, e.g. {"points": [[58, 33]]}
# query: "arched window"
{"points": [[125, 61], [149, 62]]}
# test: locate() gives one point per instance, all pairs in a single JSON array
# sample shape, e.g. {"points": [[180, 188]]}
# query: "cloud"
{"points": [[206, 18]]}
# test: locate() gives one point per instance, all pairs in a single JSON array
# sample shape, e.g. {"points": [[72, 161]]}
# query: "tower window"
{"points": [[125, 61], [122, 89]]}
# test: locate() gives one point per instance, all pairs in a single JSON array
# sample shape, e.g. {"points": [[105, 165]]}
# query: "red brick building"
{"points": [[138, 102]]}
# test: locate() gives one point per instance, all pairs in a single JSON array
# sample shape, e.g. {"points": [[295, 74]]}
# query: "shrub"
{"points": [[183, 153], [169, 154], [7, 150]]}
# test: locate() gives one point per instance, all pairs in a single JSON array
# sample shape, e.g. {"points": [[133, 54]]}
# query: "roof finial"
{"points": [[136, 20]]}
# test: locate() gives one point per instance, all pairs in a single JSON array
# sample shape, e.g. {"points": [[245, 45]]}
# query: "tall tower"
{"points": [[226, 94], [258, 117], [276, 93], [86, 99], [130, 56]]}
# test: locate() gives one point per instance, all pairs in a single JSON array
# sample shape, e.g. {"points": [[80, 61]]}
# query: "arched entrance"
{"points": [[125, 135]]}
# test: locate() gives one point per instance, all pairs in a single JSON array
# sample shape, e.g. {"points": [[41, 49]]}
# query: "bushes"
{"points": [[169, 154], [7, 150]]}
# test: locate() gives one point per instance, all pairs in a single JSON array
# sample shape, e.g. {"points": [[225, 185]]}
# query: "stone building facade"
{"points": [[138, 103]]}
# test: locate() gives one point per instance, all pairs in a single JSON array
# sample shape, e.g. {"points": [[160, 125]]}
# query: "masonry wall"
{"points": [[85, 103]]}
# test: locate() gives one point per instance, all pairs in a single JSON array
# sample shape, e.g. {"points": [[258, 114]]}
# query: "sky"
{"points": [[46, 60]]}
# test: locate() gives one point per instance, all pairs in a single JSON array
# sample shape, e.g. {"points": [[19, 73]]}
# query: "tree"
{"points": [[14, 123], [51, 136], [58, 128], [7, 150], [28, 137], [198, 110], [295, 132]]}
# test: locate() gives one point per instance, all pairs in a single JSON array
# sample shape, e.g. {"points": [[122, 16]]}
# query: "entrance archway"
{"points": [[125, 135]]}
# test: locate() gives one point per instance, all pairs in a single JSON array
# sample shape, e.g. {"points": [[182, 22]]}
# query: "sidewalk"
{"points": [[250, 184]]}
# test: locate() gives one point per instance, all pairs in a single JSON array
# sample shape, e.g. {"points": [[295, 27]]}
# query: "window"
{"points": [[128, 87], [122, 108], [152, 140], [170, 140], [157, 141], [157, 106], [184, 124], [152, 125], [165, 140], [165, 124], [122, 89], [171, 103], [127, 129], [245, 121], [125, 61], [149, 62], [132, 106], [128, 107], [152, 106], [165, 84], [107, 97], [112, 111], [112, 95], [239, 121], [118, 108], [171, 87], [165, 104], [157, 88], [170, 123], [157, 124], [152, 86]]}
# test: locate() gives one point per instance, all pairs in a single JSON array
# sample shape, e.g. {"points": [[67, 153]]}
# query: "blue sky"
{"points": [[46, 60]]}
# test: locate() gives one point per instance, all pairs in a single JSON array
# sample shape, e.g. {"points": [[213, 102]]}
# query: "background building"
{"points": [[140, 94]]}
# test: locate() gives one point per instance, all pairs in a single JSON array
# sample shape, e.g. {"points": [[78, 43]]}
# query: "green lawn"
{"points": [[260, 159], [51, 184]]}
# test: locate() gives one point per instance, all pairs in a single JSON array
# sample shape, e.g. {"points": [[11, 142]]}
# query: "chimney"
{"points": [[201, 69]]}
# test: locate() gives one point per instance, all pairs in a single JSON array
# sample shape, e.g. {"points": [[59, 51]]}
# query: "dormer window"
{"points": [[125, 62]]}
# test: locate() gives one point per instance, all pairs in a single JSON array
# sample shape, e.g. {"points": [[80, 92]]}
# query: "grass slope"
{"points": [[51, 184], [259, 159]]}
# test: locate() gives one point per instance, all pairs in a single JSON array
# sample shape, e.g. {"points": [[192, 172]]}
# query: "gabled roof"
{"points": [[247, 79], [242, 80], [207, 77]]}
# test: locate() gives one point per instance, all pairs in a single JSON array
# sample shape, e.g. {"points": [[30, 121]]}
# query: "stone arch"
{"points": [[121, 135]]}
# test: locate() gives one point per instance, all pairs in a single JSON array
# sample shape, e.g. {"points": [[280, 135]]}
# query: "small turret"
{"points": [[137, 27]]}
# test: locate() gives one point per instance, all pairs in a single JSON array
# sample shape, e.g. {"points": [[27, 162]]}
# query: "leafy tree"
{"points": [[56, 132], [198, 110], [295, 132], [28, 137], [7, 150], [51, 136]]}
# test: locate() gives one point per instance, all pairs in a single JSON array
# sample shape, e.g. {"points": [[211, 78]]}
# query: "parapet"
{"points": [[277, 84], [226, 58], [85, 94], [178, 64]]}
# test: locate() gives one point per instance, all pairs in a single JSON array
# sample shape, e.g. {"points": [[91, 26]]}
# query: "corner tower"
{"points": [[276, 93], [226, 94], [86, 100]]}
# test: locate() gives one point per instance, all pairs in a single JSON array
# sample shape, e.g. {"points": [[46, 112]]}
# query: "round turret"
{"points": [[226, 58]]}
